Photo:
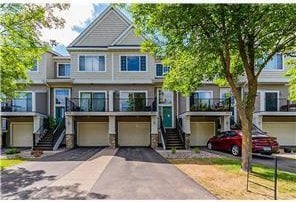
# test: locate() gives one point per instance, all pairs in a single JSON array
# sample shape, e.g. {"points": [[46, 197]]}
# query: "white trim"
{"points": [[130, 55], [16, 123], [92, 54], [271, 91], [33, 101], [54, 99], [98, 20], [59, 67], [132, 91], [37, 65], [124, 34], [94, 91], [162, 70], [112, 66], [205, 91]]}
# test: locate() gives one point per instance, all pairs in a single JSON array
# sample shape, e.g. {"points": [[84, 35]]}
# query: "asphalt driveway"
{"points": [[96, 173]]}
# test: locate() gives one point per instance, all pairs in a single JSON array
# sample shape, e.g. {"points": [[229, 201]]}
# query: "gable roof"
{"points": [[123, 24], [128, 37]]}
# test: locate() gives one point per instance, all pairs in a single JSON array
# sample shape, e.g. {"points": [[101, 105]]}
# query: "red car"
{"points": [[231, 141]]}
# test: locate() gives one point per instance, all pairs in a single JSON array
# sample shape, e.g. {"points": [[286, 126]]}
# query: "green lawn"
{"points": [[5, 163]]}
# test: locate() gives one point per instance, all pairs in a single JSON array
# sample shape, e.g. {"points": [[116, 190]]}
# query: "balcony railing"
{"points": [[211, 104], [17, 105], [135, 104], [102, 105], [282, 104], [87, 104]]}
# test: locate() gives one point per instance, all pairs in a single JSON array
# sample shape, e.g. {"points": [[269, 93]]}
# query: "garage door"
{"points": [[22, 134], [134, 134], [284, 131], [201, 133], [92, 134]]}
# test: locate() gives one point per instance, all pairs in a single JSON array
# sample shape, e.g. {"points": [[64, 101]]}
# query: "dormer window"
{"points": [[276, 63], [35, 66], [161, 70], [64, 70], [133, 63]]}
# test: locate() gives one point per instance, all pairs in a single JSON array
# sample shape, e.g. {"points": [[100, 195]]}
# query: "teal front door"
{"points": [[167, 117]]}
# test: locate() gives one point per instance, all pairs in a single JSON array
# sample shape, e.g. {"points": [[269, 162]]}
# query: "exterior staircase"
{"points": [[173, 139], [45, 143]]}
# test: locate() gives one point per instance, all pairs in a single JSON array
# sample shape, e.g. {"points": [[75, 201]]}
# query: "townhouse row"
{"points": [[108, 93]]}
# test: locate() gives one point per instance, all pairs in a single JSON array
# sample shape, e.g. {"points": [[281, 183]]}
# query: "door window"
{"points": [[132, 101], [60, 102], [92, 101]]}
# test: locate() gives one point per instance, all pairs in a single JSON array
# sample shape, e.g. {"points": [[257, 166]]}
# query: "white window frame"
{"points": [[263, 98], [91, 54], [162, 70], [130, 55], [54, 99], [206, 91], [276, 70], [132, 91], [94, 91], [37, 70], [63, 63]]}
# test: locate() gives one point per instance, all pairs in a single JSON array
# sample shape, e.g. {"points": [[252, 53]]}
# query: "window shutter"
{"points": [[123, 63], [81, 63], [143, 63]]}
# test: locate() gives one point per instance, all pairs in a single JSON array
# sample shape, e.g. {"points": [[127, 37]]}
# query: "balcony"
{"points": [[114, 105], [210, 105], [17, 105], [280, 105]]}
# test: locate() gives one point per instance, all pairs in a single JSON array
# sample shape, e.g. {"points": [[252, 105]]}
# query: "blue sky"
{"points": [[78, 17]]}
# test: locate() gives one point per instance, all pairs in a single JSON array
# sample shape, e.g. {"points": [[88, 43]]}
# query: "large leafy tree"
{"points": [[20, 44], [231, 42], [291, 74]]}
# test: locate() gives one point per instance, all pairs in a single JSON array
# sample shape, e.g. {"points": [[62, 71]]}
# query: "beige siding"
{"points": [[104, 32], [41, 102], [131, 39], [40, 75]]}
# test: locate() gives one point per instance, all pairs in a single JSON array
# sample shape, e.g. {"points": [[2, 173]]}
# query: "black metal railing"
{"points": [[17, 105], [134, 104], [87, 104], [180, 131], [281, 104], [210, 104], [163, 133], [41, 132], [58, 131]]}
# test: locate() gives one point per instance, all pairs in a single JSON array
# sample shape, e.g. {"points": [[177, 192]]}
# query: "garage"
{"points": [[92, 134], [134, 134], [285, 132], [22, 134], [201, 133]]}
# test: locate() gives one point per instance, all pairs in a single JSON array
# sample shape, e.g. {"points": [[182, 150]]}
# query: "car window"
{"points": [[222, 134], [231, 133]]}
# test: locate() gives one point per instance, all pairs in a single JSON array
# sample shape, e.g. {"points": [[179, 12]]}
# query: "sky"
{"points": [[77, 18]]}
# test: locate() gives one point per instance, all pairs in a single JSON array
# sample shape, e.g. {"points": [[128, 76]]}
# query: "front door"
{"points": [[167, 116]]}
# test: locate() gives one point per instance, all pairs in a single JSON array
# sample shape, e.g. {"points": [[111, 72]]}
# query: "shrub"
{"points": [[196, 150], [173, 150], [51, 123], [12, 151]]}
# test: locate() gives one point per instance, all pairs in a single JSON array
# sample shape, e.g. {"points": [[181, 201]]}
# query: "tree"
{"points": [[20, 44], [231, 42]]}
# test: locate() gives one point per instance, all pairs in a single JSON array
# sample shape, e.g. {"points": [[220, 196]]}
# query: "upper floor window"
{"points": [[92, 63], [276, 63], [133, 63], [161, 70], [35, 67], [64, 70]]}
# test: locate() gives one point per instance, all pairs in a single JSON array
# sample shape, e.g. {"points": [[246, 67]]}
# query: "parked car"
{"points": [[231, 141]]}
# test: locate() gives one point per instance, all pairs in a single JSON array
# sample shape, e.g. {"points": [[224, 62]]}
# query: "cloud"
{"points": [[77, 17]]}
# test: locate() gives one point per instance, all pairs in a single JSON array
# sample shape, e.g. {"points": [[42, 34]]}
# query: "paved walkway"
{"points": [[129, 173]]}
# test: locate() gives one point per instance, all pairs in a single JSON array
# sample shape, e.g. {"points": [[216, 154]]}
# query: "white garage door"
{"points": [[285, 132], [134, 134], [22, 134], [201, 133], [92, 134]]}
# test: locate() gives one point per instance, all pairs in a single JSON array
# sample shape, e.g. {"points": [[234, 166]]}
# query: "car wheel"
{"points": [[209, 146], [235, 150]]}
